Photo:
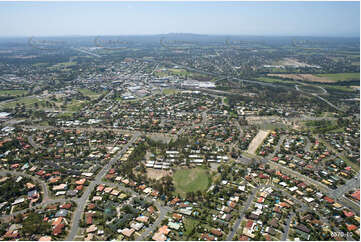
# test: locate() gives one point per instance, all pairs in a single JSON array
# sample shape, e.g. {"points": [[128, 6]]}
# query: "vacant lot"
{"points": [[324, 78], [257, 141], [169, 91], [157, 174], [191, 180]]}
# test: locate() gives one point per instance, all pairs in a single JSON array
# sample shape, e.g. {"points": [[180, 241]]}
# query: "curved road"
{"points": [[42, 183]]}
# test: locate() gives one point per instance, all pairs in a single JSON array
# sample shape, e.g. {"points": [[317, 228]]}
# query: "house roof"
{"points": [[159, 237], [45, 238], [351, 227], [348, 213], [164, 229], [58, 229], [249, 224], [216, 232], [57, 221], [356, 195], [243, 238], [127, 232], [329, 200]]}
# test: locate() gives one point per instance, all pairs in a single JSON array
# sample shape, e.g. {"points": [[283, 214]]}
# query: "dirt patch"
{"points": [[164, 138], [303, 77], [158, 174], [261, 119], [257, 141], [297, 64]]}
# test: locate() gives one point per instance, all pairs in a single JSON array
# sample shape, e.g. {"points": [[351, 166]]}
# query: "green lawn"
{"points": [[87, 92], [90, 93], [191, 180], [275, 80], [14, 92], [168, 91], [25, 100], [341, 76], [339, 88], [190, 226]]}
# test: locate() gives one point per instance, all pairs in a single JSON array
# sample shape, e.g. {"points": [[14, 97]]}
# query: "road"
{"points": [[39, 206], [86, 52], [321, 98], [335, 107], [163, 210], [239, 220], [277, 148], [323, 188], [82, 201], [287, 227], [42, 127], [351, 184], [33, 144]]}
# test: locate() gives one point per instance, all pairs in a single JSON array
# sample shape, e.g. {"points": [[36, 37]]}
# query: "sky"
{"points": [[341, 19]]}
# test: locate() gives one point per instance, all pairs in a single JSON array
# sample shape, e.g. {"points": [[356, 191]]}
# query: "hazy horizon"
{"points": [[278, 19]]}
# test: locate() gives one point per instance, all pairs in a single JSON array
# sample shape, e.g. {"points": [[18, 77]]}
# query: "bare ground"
{"points": [[303, 77], [257, 141], [158, 174]]}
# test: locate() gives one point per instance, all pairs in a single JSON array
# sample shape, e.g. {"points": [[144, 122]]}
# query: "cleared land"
{"points": [[191, 180], [169, 91], [157, 174], [323, 78], [257, 141]]}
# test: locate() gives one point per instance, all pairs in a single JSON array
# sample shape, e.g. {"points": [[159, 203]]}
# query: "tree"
{"points": [[34, 224]]}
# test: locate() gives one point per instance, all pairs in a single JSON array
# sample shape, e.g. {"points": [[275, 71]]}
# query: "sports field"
{"points": [[191, 180]]}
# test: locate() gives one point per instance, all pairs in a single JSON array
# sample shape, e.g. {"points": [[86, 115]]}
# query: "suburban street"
{"points": [[287, 227], [44, 187], [82, 201], [245, 207]]}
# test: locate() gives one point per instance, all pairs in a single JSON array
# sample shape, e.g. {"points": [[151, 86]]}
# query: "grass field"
{"points": [[341, 76], [275, 80], [339, 88], [190, 225], [175, 71], [14, 92], [90, 93], [320, 78], [169, 91], [191, 180], [27, 101]]}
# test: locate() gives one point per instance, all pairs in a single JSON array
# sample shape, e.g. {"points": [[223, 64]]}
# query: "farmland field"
{"points": [[191, 180], [324, 78], [341, 76], [274, 80]]}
